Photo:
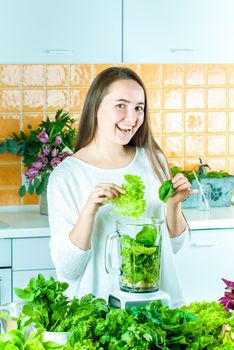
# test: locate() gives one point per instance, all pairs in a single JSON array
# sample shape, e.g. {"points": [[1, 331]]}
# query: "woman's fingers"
{"points": [[180, 182], [111, 186]]}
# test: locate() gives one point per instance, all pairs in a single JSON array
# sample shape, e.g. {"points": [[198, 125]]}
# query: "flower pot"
{"points": [[43, 206], [221, 192], [57, 337]]}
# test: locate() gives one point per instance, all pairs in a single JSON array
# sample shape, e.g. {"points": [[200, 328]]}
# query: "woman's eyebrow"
{"points": [[127, 101]]}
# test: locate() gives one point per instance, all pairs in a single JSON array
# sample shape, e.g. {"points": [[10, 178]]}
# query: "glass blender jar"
{"points": [[139, 246]]}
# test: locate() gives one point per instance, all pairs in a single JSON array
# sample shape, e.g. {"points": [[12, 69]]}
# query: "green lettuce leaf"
{"points": [[131, 203]]}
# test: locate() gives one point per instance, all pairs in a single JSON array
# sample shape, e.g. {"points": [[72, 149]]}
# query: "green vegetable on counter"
{"points": [[132, 202], [46, 305], [16, 340], [166, 190]]}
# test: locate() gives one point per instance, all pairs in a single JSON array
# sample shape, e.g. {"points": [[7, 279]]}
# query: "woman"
{"points": [[114, 139]]}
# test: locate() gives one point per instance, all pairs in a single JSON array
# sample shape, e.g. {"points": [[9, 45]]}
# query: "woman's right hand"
{"points": [[101, 195]]}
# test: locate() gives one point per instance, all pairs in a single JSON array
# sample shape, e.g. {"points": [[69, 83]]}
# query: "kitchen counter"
{"points": [[215, 218], [25, 221]]}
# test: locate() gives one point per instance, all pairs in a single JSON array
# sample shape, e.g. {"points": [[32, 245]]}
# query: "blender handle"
{"points": [[108, 253]]}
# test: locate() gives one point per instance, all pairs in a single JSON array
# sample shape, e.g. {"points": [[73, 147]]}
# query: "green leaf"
{"points": [[166, 190], [36, 182], [22, 191], [31, 188]]}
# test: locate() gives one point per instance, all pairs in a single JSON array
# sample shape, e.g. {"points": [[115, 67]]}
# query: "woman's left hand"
{"points": [[182, 188]]}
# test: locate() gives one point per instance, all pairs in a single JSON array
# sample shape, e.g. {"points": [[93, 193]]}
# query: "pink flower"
{"points": [[58, 140], [46, 150], [43, 137], [63, 155], [54, 152], [55, 161], [31, 173], [38, 165], [41, 156]]}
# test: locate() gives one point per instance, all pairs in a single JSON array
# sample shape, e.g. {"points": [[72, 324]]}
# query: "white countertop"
{"points": [[25, 221], [215, 218]]}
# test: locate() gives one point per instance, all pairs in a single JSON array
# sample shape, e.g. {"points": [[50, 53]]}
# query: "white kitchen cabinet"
{"points": [[5, 252], [31, 254], [202, 263], [5, 285], [24, 249], [181, 31], [73, 31]]}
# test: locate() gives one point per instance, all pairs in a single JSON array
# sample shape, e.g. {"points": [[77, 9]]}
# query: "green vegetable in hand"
{"points": [[131, 203], [147, 236], [166, 190]]}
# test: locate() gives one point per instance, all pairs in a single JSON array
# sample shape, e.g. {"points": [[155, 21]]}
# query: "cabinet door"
{"points": [[74, 31], [204, 262], [161, 31], [21, 278], [31, 253], [5, 253], [5, 286]]}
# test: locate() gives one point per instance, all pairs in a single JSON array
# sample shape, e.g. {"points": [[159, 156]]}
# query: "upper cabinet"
{"points": [[178, 31], [61, 31]]}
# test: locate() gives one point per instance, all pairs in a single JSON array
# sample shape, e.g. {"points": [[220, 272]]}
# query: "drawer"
{"points": [[31, 253], [5, 286], [22, 278], [5, 252]]}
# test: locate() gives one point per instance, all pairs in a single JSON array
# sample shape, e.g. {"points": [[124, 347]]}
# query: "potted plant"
{"points": [[220, 182], [42, 150]]}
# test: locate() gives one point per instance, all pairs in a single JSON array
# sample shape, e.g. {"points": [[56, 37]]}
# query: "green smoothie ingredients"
{"points": [[166, 190], [131, 203], [140, 260]]}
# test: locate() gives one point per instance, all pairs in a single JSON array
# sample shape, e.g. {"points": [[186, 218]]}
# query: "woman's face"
{"points": [[121, 112]]}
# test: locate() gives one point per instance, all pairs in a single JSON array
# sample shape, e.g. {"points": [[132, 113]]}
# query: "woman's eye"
{"points": [[139, 108], [121, 105]]}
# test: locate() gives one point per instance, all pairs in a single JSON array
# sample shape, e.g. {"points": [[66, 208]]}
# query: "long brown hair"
{"points": [[142, 138]]}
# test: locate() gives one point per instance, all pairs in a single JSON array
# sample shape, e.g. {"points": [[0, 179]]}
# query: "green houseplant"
{"points": [[221, 183], [42, 150]]}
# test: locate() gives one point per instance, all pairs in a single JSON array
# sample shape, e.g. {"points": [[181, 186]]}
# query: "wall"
{"points": [[191, 106]]}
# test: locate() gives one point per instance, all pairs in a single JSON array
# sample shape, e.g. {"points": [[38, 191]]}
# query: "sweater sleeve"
{"points": [[69, 260]]}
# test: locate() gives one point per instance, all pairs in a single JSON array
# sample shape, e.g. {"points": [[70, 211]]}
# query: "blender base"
{"points": [[121, 300]]}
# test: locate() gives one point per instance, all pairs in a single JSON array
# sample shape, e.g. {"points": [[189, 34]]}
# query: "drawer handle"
{"points": [[200, 244]]}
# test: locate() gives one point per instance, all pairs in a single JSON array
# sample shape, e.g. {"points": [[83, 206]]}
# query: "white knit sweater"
{"points": [[70, 184]]}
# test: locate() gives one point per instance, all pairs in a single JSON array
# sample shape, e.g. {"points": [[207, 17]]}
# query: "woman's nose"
{"points": [[131, 116]]}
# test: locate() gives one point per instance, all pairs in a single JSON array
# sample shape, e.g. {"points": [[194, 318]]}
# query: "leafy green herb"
{"points": [[131, 203], [216, 174], [166, 190], [15, 340], [46, 305]]}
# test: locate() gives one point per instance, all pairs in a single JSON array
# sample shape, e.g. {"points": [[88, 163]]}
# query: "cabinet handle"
{"points": [[200, 244]]}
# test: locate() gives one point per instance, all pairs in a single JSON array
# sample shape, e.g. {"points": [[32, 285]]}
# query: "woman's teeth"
{"points": [[121, 128]]}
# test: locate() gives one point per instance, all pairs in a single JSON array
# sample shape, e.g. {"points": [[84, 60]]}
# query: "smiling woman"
{"points": [[114, 140]]}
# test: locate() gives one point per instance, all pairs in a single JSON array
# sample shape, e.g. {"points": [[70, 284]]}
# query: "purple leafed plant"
{"points": [[228, 299]]}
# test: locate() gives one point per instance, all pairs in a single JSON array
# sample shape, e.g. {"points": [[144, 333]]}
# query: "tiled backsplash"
{"points": [[191, 106]]}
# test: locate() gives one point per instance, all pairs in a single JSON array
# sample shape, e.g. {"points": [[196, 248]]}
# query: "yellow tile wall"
{"points": [[191, 110]]}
